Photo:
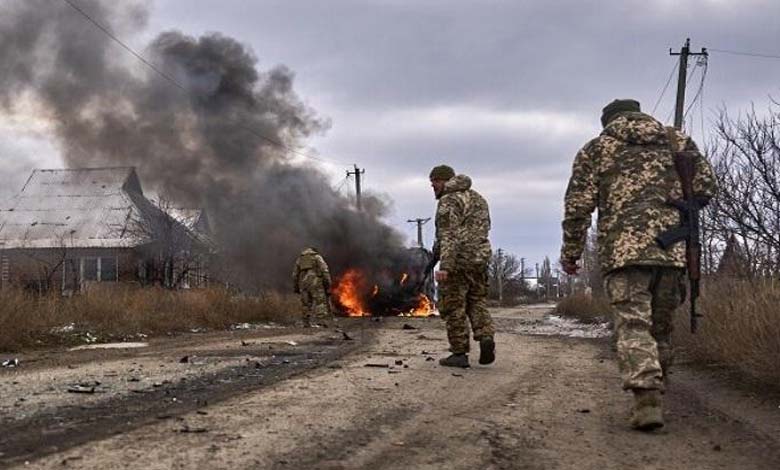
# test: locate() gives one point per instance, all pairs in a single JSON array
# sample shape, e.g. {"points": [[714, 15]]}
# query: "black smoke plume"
{"points": [[199, 146]]}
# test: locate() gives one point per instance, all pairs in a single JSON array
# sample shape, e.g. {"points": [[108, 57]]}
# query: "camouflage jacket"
{"points": [[309, 260], [462, 226], [628, 174]]}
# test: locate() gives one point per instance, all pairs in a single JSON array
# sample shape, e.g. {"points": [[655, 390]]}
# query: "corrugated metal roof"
{"points": [[188, 217], [82, 208]]}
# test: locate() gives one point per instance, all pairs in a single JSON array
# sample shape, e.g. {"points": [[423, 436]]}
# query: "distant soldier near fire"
{"points": [[311, 279], [629, 172], [463, 248]]}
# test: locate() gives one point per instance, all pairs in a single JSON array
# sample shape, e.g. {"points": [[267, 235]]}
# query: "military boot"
{"points": [[647, 414], [455, 360], [487, 350]]}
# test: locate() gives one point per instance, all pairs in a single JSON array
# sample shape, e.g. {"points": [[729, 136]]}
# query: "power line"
{"points": [[175, 83], [668, 81], [748, 54], [125, 46], [701, 115], [701, 87], [341, 185]]}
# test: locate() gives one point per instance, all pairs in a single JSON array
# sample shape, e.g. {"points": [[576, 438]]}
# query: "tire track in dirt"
{"points": [[548, 402], [63, 428]]}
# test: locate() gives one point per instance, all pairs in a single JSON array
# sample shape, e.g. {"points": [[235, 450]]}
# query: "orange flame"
{"points": [[424, 307], [347, 292]]}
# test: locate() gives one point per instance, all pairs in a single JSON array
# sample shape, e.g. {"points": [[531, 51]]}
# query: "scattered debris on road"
{"points": [[409, 327], [187, 429], [10, 363], [110, 346], [383, 366]]}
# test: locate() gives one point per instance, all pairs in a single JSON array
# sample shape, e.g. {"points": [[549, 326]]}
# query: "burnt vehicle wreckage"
{"points": [[406, 289]]}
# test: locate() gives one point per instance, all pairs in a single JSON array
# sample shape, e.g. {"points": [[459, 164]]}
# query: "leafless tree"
{"points": [[746, 160], [47, 263], [505, 277], [173, 251]]}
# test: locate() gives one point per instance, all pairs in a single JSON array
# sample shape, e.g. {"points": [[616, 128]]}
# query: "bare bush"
{"points": [[746, 160], [585, 308]]}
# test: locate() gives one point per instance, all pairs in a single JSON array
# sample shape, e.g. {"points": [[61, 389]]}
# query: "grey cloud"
{"points": [[360, 61]]}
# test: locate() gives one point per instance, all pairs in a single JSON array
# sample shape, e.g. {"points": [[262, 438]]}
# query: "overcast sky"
{"points": [[504, 91]]}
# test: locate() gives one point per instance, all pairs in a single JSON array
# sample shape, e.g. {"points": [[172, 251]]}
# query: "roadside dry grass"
{"points": [[740, 329], [585, 308], [30, 320]]}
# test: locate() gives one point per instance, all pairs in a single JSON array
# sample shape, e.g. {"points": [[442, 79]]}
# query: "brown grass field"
{"points": [[28, 320], [740, 330]]}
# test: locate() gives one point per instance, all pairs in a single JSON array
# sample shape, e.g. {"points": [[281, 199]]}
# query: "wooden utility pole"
{"points": [[420, 223], [522, 274], [684, 53], [500, 276], [357, 173]]}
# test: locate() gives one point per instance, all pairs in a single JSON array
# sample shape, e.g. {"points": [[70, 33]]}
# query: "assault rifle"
{"points": [[427, 273], [688, 231]]}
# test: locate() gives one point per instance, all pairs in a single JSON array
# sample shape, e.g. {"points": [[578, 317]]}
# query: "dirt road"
{"points": [[295, 399]]}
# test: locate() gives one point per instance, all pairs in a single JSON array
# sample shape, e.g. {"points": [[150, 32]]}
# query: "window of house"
{"points": [[108, 271], [103, 269], [70, 275], [89, 269]]}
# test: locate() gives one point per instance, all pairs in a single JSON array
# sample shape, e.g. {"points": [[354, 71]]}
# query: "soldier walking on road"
{"points": [[463, 248], [628, 173], [311, 279]]}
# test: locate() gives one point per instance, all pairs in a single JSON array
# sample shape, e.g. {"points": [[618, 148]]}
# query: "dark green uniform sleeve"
{"points": [[580, 201]]}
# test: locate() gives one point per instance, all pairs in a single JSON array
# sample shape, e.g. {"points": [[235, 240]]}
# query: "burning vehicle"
{"points": [[404, 290]]}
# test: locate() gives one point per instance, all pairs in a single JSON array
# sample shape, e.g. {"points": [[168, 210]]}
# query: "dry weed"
{"points": [[740, 328], [121, 311], [585, 308]]}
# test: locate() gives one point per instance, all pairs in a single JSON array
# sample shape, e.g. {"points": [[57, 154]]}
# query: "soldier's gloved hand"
{"points": [[570, 267]]}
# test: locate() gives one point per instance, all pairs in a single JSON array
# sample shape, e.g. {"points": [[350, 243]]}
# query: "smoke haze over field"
{"points": [[198, 147]]}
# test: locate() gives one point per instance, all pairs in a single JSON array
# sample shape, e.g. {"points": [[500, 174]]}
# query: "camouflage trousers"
{"points": [[316, 304], [644, 299], [461, 298]]}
